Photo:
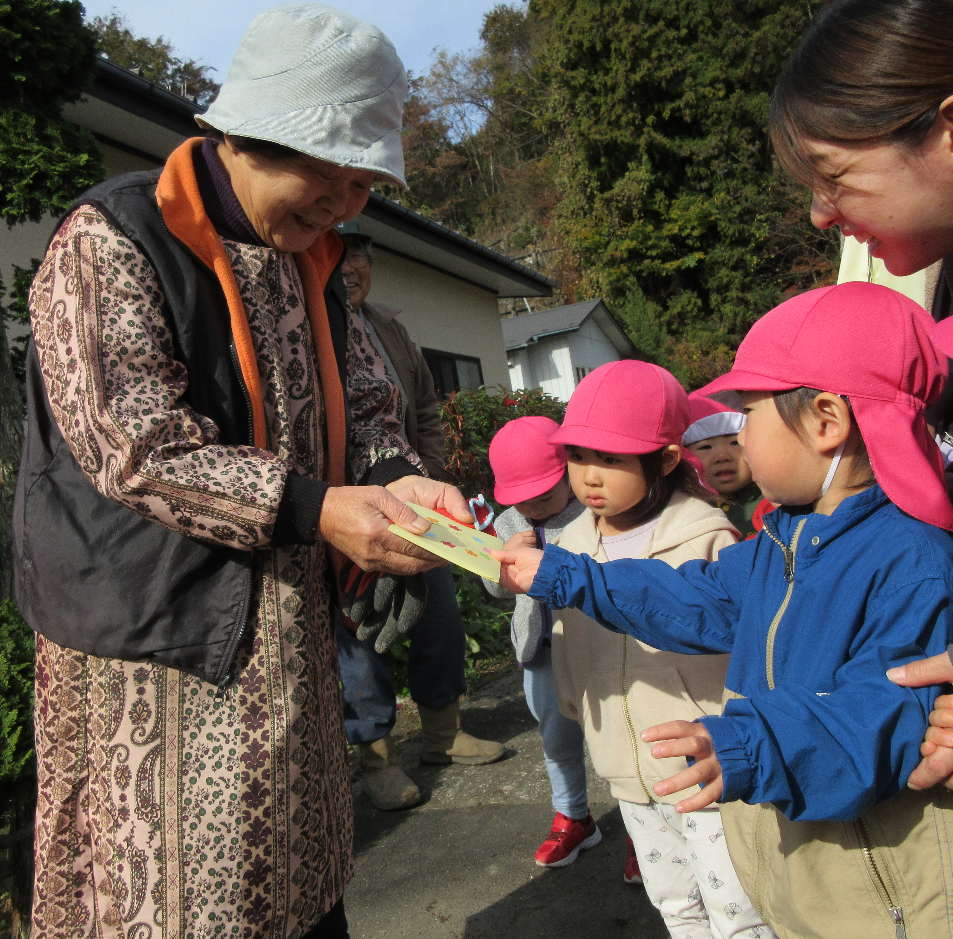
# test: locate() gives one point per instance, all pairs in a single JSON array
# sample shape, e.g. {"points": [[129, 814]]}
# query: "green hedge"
{"points": [[470, 420], [17, 770]]}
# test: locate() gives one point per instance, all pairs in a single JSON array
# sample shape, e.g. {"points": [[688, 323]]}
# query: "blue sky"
{"points": [[208, 31]]}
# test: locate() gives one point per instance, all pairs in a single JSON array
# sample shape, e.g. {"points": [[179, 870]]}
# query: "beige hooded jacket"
{"points": [[616, 686]]}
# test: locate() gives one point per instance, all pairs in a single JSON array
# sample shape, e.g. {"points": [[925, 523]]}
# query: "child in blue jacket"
{"points": [[852, 575]]}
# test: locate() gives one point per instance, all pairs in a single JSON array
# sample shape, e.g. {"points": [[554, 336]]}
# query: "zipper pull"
{"points": [[788, 564], [222, 690], [897, 913]]}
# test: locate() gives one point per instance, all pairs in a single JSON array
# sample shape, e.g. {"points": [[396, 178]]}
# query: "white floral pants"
{"points": [[688, 874]]}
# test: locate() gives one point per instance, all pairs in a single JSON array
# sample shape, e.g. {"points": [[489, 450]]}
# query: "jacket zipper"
{"points": [[628, 721], [228, 675], [789, 577], [881, 879], [233, 352], [229, 670]]}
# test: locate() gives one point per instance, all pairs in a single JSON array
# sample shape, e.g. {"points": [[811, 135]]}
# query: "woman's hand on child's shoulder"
{"points": [[686, 738], [517, 567]]}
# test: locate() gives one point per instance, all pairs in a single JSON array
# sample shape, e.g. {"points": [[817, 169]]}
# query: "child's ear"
{"points": [[832, 421], [671, 457]]}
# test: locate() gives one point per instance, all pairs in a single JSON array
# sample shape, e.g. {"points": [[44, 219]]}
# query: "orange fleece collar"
{"points": [[184, 214]]}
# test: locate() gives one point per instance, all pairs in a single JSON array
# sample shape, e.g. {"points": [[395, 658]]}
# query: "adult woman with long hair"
{"points": [[863, 116]]}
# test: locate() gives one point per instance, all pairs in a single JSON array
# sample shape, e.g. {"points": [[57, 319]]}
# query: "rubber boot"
{"points": [[386, 784], [445, 742]]}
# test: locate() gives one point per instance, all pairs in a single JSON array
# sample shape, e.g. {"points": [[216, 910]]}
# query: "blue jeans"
{"points": [[435, 668], [562, 738]]}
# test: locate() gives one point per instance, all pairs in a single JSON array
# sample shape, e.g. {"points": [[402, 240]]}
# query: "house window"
{"points": [[453, 372], [581, 372]]}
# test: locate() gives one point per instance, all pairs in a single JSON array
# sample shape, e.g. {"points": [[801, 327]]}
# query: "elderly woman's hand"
{"points": [[355, 520], [432, 495]]}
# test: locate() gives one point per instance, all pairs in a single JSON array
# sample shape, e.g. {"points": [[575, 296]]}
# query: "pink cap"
{"points": [[871, 345], [625, 407], [524, 462], [710, 419]]}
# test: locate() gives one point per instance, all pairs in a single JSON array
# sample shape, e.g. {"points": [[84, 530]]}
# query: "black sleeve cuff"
{"points": [[299, 511], [389, 471]]}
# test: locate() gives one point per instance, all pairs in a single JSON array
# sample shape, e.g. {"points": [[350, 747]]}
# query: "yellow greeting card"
{"points": [[465, 547]]}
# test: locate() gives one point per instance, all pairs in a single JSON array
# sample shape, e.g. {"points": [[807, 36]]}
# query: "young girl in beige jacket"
{"points": [[622, 431]]}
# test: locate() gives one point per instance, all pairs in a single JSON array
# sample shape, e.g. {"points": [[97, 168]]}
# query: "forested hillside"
{"points": [[621, 149]]}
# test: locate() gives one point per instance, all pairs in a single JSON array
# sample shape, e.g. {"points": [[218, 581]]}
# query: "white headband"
{"points": [[715, 425]]}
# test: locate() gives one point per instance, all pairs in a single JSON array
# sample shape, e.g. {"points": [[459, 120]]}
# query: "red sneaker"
{"points": [[632, 874], [567, 838]]}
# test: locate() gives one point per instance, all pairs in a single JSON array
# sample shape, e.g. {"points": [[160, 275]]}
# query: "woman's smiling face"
{"points": [[291, 201], [899, 201]]}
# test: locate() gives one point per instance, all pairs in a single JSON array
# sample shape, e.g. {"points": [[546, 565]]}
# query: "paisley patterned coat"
{"points": [[166, 809]]}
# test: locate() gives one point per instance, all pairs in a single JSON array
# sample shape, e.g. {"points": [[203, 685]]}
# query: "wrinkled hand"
{"points": [[355, 520], [432, 494], [391, 610], [937, 747], [518, 568], [685, 738]]}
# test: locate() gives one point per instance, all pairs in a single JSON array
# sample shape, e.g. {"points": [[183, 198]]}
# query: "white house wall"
{"points": [[550, 364], [443, 313], [590, 348], [521, 370]]}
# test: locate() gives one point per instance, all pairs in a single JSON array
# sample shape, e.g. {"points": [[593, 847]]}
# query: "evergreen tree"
{"points": [[669, 195], [47, 57], [154, 58]]}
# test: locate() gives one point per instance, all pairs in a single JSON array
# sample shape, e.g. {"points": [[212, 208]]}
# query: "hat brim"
{"points": [[512, 495], [714, 425], [605, 441], [905, 458], [738, 380]]}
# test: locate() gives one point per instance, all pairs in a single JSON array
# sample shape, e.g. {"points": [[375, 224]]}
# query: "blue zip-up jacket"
{"points": [[818, 730]]}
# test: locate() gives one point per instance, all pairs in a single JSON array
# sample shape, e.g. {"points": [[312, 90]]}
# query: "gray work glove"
{"points": [[384, 606]]}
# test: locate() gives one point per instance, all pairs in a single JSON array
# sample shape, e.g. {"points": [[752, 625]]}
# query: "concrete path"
{"points": [[461, 864]]}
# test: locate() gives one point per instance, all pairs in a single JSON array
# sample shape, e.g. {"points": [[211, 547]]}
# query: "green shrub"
{"points": [[487, 625], [16, 696], [486, 622], [17, 770], [471, 418]]}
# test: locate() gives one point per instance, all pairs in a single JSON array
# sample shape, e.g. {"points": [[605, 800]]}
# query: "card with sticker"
{"points": [[465, 547]]}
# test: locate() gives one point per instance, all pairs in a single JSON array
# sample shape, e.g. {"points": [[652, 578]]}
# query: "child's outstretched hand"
{"points": [[684, 738], [522, 539], [517, 567]]}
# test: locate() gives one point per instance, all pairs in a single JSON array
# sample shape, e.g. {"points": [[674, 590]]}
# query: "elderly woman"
{"points": [[199, 401]]}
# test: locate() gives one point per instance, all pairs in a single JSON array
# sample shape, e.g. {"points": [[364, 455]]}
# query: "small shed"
{"points": [[554, 349]]}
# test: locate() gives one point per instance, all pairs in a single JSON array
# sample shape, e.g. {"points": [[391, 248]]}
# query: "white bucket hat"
{"points": [[319, 81]]}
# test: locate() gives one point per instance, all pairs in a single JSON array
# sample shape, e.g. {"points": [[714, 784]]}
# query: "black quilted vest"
{"points": [[94, 576]]}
